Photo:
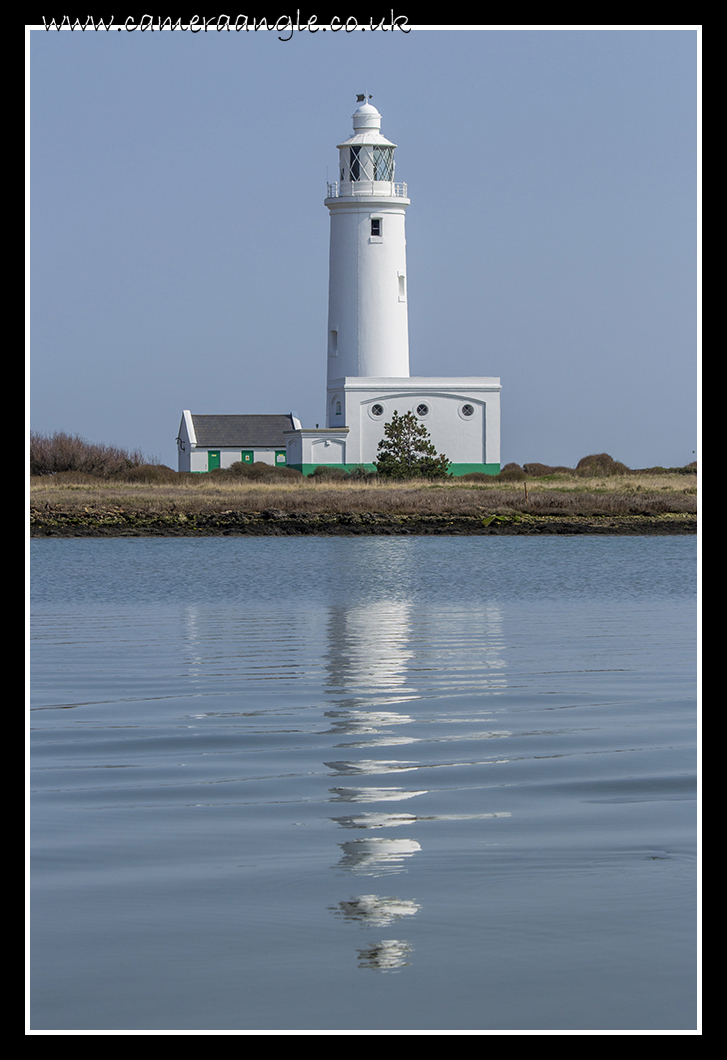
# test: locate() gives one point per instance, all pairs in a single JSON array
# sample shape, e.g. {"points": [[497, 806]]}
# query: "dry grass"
{"points": [[632, 493]]}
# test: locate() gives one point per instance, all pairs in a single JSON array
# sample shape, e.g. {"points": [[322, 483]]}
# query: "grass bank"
{"points": [[76, 504]]}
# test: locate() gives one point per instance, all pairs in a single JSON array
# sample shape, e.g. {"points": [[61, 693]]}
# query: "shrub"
{"points": [[406, 451], [328, 473], [257, 472], [511, 473], [689, 469], [541, 470], [600, 465], [50, 454], [361, 473], [538, 470], [149, 473]]}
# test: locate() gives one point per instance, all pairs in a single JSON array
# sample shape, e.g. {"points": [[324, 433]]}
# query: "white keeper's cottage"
{"points": [[208, 442], [368, 345]]}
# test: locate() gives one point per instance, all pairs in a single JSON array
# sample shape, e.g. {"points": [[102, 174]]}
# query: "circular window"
{"points": [[422, 410], [466, 410], [377, 410]]}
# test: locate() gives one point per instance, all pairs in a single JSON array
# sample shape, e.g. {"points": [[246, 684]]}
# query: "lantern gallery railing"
{"points": [[338, 188]]}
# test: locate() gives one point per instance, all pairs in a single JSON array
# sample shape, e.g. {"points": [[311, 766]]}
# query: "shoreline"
{"points": [[278, 523]]}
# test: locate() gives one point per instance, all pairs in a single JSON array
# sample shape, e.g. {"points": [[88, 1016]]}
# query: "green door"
{"points": [[213, 459], [247, 456]]}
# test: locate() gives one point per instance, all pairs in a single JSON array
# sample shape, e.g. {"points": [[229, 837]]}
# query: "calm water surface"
{"points": [[339, 784]]}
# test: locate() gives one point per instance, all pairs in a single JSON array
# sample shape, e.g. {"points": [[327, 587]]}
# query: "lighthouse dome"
{"points": [[366, 117], [367, 128]]}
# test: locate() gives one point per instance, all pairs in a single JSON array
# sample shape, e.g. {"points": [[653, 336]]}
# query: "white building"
{"points": [[208, 442], [368, 331]]}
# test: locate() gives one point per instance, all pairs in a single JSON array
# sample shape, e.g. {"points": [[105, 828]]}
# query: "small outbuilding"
{"points": [[208, 442]]}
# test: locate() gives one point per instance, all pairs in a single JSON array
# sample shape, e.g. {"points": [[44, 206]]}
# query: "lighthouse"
{"points": [[368, 330], [367, 342]]}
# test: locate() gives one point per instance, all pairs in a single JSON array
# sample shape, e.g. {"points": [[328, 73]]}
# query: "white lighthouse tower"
{"points": [[368, 332]]}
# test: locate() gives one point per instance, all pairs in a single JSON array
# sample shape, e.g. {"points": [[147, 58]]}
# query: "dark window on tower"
{"points": [[375, 226], [355, 164]]}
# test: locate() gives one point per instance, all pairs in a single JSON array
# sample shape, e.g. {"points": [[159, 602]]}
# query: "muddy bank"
{"points": [[118, 522]]}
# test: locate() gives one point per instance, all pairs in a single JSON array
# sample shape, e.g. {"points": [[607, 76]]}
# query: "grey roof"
{"points": [[242, 432]]}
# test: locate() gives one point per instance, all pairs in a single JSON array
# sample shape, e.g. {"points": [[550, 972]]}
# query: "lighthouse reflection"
{"points": [[381, 668], [386, 655], [376, 820], [374, 910], [377, 856], [369, 765], [368, 658], [372, 794], [368, 655], [368, 723], [385, 956]]}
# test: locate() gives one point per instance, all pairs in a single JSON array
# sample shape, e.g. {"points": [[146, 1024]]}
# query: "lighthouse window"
{"points": [[422, 409], [383, 163], [468, 410], [377, 410], [375, 226], [355, 164]]}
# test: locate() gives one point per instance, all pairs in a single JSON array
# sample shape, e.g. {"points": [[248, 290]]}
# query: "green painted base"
{"points": [[308, 469], [469, 469], [454, 469]]}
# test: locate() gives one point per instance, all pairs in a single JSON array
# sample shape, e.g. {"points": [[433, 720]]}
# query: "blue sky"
{"points": [[179, 242]]}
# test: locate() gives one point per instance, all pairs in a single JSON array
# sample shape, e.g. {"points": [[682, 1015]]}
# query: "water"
{"points": [[376, 784]]}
